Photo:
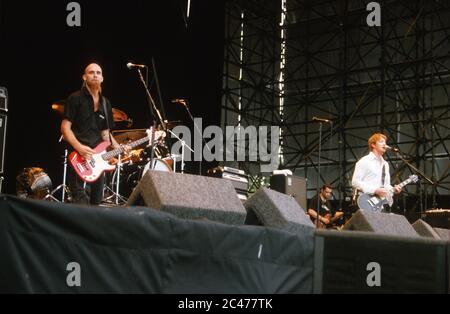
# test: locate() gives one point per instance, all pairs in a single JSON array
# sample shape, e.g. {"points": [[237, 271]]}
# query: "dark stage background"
{"points": [[42, 60]]}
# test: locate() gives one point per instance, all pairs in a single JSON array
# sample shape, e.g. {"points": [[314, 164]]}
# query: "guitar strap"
{"points": [[383, 174], [106, 117]]}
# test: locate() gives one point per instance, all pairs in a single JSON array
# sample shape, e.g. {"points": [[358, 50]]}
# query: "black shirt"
{"points": [[325, 207], [87, 124]]}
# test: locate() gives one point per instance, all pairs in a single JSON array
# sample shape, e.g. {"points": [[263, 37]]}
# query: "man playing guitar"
{"points": [[86, 123], [328, 218], [371, 174]]}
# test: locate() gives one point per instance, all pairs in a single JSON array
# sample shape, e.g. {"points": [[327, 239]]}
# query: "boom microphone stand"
{"points": [[414, 169], [184, 102], [154, 110]]}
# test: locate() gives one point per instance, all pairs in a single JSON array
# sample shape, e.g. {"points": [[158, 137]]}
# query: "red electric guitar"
{"points": [[91, 170]]}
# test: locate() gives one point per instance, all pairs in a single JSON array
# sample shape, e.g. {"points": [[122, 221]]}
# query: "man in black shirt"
{"points": [[86, 124], [327, 215]]}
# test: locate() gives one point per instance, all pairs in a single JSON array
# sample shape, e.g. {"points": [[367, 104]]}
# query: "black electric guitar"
{"points": [[376, 203]]}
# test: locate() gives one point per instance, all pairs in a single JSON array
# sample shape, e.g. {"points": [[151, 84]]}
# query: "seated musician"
{"points": [[328, 217]]}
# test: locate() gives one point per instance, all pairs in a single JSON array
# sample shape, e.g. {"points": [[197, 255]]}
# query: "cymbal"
{"points": [[58, 106], [118, 115], [129, 136], [60, 102]]}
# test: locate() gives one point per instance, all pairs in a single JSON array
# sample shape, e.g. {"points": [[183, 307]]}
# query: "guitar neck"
{"points": [[406, 182], [116, 152], [412, 178]]}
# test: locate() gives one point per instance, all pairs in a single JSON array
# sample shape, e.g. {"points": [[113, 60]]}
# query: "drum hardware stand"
{"points": [[63, 186], [118, 199], [183, 145], [175, 158]]}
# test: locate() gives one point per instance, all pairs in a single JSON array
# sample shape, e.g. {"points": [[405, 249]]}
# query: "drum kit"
{"points": [[132, 166]]}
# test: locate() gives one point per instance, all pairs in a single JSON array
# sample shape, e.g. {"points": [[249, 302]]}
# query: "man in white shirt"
{"points": [[371, 174]]}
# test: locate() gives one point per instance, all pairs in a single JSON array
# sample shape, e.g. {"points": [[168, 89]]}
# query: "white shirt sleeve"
{"points": [[359, 175]]}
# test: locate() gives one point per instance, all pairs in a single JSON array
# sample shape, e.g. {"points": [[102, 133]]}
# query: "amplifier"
{"points": [[3, 122], [290, 185], [3, 99], [239, 182], [237, 177]]}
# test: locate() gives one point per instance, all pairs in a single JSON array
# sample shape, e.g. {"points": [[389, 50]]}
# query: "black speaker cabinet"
{"points": [[290, 185]]}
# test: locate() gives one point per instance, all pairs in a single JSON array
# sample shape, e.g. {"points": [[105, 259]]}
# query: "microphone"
{"points": [[391, 148], [321, 120], [132, 65]]}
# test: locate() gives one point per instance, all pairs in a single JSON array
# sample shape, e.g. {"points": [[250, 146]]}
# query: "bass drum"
{"points": [[159, 165], [136, 172]]}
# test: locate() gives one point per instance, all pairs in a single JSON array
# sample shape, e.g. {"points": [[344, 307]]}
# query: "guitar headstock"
{"points": [[413, 178]]}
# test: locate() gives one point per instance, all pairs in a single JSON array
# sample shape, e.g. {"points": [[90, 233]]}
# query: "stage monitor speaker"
{"points": [[274, 209], [437, 218], [188, 196], [290, 185], [444, 234], [425, 230], [383, 223], [3, 125]]}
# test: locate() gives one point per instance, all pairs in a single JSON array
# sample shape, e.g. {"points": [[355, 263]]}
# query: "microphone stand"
{"points": [[153, 109], [158, 89], [400, 155], [152, 104], [318, 176], [185, 105]]}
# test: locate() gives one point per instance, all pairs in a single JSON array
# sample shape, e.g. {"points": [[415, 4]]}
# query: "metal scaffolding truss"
{"points": [[394, 78], [251, 70]]}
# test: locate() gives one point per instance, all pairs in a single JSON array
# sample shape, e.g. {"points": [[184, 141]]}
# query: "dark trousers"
{"points": [[92, 194]]}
